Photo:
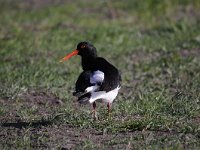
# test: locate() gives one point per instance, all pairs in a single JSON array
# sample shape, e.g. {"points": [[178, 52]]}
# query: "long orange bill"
{"points": [[75, 52]]}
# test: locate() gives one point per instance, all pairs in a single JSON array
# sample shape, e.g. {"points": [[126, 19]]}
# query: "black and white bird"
{"points": [[99, 80]]}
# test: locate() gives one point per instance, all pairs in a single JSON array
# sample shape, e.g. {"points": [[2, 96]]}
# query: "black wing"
{"points": [[112, 77], [82, 83]]}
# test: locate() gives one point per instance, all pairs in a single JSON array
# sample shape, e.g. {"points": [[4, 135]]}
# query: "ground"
{"points": [[156, 46]]}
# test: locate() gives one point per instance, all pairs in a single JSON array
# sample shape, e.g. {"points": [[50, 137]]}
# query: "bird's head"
{"points": [[84, 49]]}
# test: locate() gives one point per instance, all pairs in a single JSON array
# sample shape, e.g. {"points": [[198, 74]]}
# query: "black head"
{"points": [[86, 49]]}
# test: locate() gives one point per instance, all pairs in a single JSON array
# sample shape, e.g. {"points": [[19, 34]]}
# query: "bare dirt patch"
{"points": [[31, 102], [190, 52], [45, 134], [69, 137], [40, 98]]}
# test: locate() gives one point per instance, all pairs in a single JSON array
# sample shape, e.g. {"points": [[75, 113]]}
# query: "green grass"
{"points": [[155, 44]]}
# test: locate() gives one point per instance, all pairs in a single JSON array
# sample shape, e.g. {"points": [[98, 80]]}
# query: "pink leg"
{"points": [[94, 110], [94, 106], [108, 105]]}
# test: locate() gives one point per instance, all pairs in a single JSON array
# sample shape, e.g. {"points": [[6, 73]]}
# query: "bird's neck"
{"points": [[88, 62]]}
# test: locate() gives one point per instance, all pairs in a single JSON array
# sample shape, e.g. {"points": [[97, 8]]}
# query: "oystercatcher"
{"points": [[99, 80]]}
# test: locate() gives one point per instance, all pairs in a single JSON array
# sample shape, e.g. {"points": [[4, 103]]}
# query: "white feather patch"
{"points": [[91, 88], [105, 96], [96, 77]]}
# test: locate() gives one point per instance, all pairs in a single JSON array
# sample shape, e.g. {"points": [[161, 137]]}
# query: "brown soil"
{"points": [[46, 135]]}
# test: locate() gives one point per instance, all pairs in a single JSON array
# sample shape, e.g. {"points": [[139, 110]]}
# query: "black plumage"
{"points": [[99, 79], [90, 63]]}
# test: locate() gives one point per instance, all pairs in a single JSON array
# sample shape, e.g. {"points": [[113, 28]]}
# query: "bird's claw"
{"points": [[94, 115]]}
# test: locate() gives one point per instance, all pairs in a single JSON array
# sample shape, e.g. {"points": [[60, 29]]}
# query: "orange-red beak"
{"points": [[75, 52]]}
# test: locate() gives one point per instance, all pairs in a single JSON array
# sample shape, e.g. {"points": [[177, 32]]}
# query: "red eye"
{"points": [[82, 46]]}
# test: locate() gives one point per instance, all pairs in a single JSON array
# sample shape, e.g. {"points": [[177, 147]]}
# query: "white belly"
{"points": [[105, 96]]}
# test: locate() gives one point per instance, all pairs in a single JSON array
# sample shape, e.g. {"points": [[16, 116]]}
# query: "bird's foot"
{"points": [[94, 115]]}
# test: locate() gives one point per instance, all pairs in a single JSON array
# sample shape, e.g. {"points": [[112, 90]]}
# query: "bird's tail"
{"points": [[83, 99]]}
